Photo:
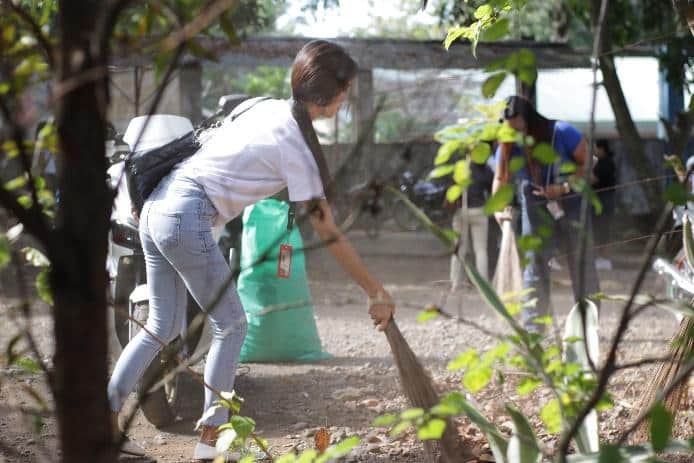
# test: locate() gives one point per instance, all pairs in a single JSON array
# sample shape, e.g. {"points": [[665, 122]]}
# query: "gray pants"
{"points": [[566, 235], [180, 253]]}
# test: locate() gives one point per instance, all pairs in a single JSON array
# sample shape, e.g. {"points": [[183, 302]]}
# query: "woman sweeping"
{"points": [[548, 206], [269, 147]]}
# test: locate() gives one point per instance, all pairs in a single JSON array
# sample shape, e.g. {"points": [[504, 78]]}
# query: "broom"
{"points": [[681, 350], [420, 392]]}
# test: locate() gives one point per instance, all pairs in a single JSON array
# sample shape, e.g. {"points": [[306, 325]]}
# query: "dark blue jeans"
{"points": [[565, 237]]}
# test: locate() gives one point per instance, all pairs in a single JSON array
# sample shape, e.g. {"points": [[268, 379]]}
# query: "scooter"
{"points": [[429, 195], [126, 268]]}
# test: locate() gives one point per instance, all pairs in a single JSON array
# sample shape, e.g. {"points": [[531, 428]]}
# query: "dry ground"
{"points": [[289, 401]]}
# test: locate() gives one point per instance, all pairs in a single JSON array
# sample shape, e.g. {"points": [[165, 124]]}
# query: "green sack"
{"points": [[281, 326]]}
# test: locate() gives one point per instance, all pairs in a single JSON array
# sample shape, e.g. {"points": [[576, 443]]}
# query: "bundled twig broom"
{"points": [[681, 351], [420, 392]]}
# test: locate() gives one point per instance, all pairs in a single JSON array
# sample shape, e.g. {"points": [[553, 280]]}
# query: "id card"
{"points": [[284, 263], [555, 209]]}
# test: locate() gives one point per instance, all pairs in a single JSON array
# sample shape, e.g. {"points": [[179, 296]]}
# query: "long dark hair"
{"points": [[539, 127], [321, 71]]}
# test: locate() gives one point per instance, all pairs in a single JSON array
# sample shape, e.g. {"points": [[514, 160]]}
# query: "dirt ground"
{"points": [[290, 401]]}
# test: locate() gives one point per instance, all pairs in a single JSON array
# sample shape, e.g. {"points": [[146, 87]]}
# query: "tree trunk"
{"points": [[79, 241], [633, 143], [628, 132]]}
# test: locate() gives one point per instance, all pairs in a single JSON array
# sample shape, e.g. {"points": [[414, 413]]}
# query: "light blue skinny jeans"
{"points": [[180, 253]]}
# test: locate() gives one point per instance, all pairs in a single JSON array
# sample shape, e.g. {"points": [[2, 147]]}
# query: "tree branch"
{"points": [[203, 20], [35, 29], [32, 217]]}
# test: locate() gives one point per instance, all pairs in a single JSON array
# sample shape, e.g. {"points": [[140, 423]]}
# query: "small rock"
{"points": [[370, 403], [348, 393], [507, 426], [372, 438], [299, 426], [373, 448], [159, 439]]}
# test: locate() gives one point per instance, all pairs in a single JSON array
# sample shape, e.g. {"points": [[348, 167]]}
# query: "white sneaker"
{"points": [[554, 264], [204, 452], [130, 447], [603, 264]]}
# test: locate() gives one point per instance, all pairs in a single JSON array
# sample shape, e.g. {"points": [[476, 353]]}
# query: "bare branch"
{"points": [[32, 218], [92, 74], [35, 29], [643, 362], [203, 20]]}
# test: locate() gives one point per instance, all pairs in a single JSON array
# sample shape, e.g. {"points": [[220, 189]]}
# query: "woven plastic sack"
{"points": [[508, 278], [281, 326]]}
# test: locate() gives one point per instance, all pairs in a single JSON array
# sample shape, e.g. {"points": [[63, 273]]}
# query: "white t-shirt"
{"points": [[254, 157]]}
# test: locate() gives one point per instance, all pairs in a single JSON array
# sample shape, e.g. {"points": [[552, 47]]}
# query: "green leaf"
{"points": [[29, 364], [480, 153], [385, 420], [338, 450], [499, 200], [307, 456], [243, 425], [498, 30], [426, 315], [250, 459], [461, 173], [516, 163], [442, 171], [287, 458], [464, 360], [544, 153], [492, 84], [432, 429], [507, 134], [484, 11], [35, 257], [497, 442], [5, 251], [43, 286], [543, 320], [568, 167], [661, 421], [446, 150], [454, 34], [551, 416], [477, 378], [522, 447], [445, 410], [610, 454], [676, 194], [528, 385], [453, 193], [399, 428], [16, 183], [529, 243], [412, 413]]}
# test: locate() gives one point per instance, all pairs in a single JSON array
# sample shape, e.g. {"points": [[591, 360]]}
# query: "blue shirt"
{"points": [[566, 140]]}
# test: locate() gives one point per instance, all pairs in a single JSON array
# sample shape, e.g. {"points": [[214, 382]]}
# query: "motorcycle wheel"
{"points": [[404, 217], [162, 405]]}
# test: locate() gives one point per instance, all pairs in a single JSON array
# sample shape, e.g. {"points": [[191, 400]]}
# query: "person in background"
{"points": [[546, 202], [604, 181], [470, 219]]}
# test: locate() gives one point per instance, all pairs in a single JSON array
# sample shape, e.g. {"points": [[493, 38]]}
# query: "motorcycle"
{"points": [[361, 207], [429, 195], [129, 297]]}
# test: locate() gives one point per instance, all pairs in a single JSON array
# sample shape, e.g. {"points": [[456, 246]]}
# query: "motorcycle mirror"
{"points": [[227, 103]]}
